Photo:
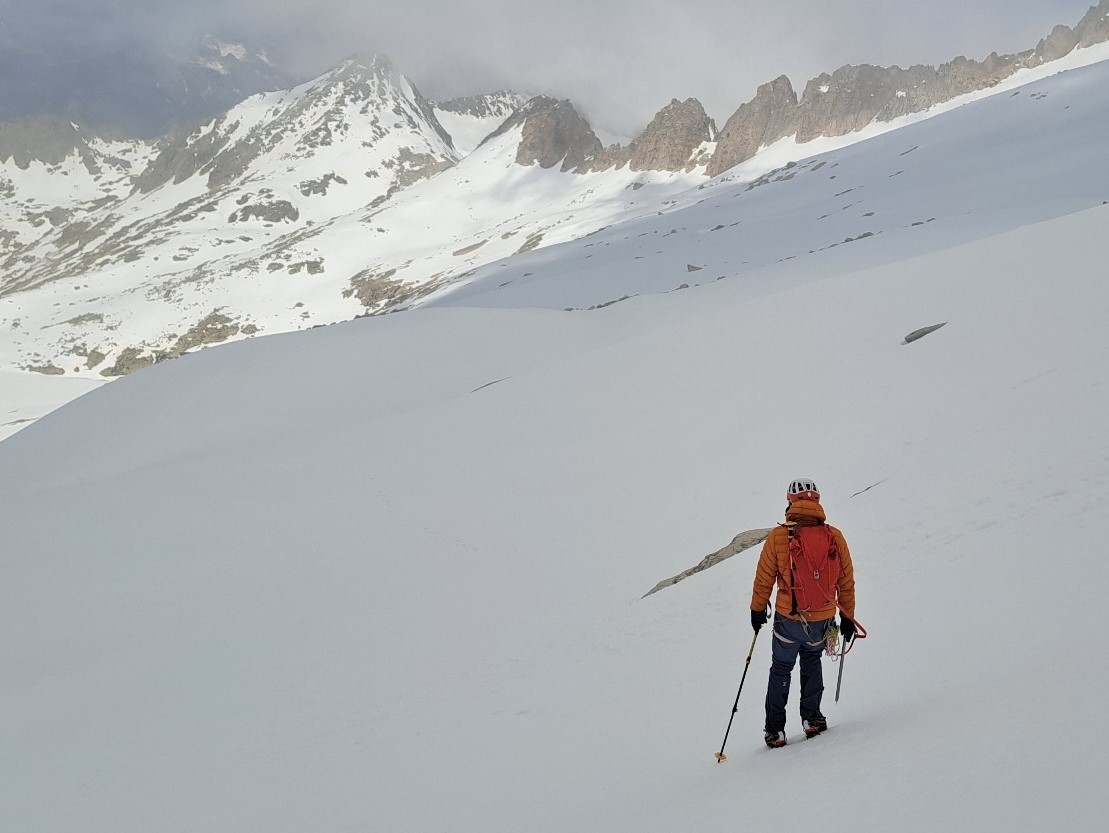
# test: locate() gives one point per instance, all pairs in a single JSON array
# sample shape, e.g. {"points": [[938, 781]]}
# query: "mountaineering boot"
{"points": [[774, 739], [814, 725]]}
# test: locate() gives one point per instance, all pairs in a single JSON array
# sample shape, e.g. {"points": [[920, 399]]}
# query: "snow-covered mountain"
{"points": [[470, 119], [354, 195], [387, 575], [213, 217]]}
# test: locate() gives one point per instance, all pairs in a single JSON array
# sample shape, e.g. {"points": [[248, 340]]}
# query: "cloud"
{"points": [[619, 61]]}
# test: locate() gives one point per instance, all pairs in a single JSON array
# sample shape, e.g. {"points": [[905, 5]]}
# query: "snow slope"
{"points": [[993, 161], [471, 120], [28, 396], [387, 575]]}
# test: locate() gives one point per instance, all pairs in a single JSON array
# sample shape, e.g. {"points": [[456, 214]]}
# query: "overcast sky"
{"points": [[619, 61]]}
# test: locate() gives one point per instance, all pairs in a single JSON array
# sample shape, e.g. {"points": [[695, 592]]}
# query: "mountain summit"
{"points": [[362, 103]]}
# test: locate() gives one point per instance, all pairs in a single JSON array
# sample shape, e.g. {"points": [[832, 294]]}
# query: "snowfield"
{"points": [[387, 575], [28, 396]]}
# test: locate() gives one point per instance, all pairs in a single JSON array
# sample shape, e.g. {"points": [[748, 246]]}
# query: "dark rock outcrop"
{"points": [[47, 139], [1060, 42], [853, 96], [1094, 26], [671, 139], [848, 100], [741, 542], [215, 328], [769, 116], [553, 133], [272, 211], [921, 333]]}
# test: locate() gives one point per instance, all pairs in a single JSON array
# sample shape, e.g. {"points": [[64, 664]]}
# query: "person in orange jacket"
{"points": [[804, 610]]}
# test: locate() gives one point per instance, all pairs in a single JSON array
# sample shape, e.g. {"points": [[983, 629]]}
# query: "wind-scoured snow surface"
{"points": [[386, 575]]}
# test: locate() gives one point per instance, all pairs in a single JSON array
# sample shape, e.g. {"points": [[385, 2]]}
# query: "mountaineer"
{"points": [[809, 562]]}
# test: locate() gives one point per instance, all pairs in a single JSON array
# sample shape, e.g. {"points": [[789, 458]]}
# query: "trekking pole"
{"points": [[720, 756]]}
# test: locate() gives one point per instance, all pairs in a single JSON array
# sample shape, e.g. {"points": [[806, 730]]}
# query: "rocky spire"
{"points": [[671, 142], [769, 116], [553, 133], [1094, 27], [1060, 42], [672, 138]]}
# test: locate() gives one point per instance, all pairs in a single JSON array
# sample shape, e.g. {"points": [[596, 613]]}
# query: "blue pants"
{"points": [[791, 638]]}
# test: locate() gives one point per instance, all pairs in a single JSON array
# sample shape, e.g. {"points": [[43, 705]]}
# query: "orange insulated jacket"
{"points": [[774, 566]]}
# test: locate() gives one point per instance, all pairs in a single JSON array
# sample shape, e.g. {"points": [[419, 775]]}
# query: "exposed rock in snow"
{"points": [[669, 143], [48, 140], [359, 103], [854, 96], [553, 134], [769, 116], [742, 541], [1094, 26]]}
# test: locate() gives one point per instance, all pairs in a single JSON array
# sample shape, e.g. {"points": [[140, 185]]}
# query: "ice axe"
{"points": [[839, 677], [860, 633]]}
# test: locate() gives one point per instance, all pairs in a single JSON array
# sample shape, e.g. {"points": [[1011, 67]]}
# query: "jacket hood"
{"points": [[806, 512]]}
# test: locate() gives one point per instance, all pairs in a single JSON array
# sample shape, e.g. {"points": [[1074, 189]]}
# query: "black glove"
{"points": [[758, 619], [846, 629]]}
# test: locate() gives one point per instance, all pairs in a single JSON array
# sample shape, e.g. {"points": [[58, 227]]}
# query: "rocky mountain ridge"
{"points": [[500, 104], [314, 196], [854, 96], [49, 140], [830, 105], [681, 137]]}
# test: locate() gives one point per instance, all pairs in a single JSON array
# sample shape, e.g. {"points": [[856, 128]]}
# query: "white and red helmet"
{"points": [[802, 489]]}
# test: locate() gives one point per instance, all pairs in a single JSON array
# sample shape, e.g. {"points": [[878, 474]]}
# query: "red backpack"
{"points": [[814, 567]]}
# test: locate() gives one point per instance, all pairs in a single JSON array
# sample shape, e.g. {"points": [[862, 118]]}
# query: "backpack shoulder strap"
{"points": [[791, 527]]}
